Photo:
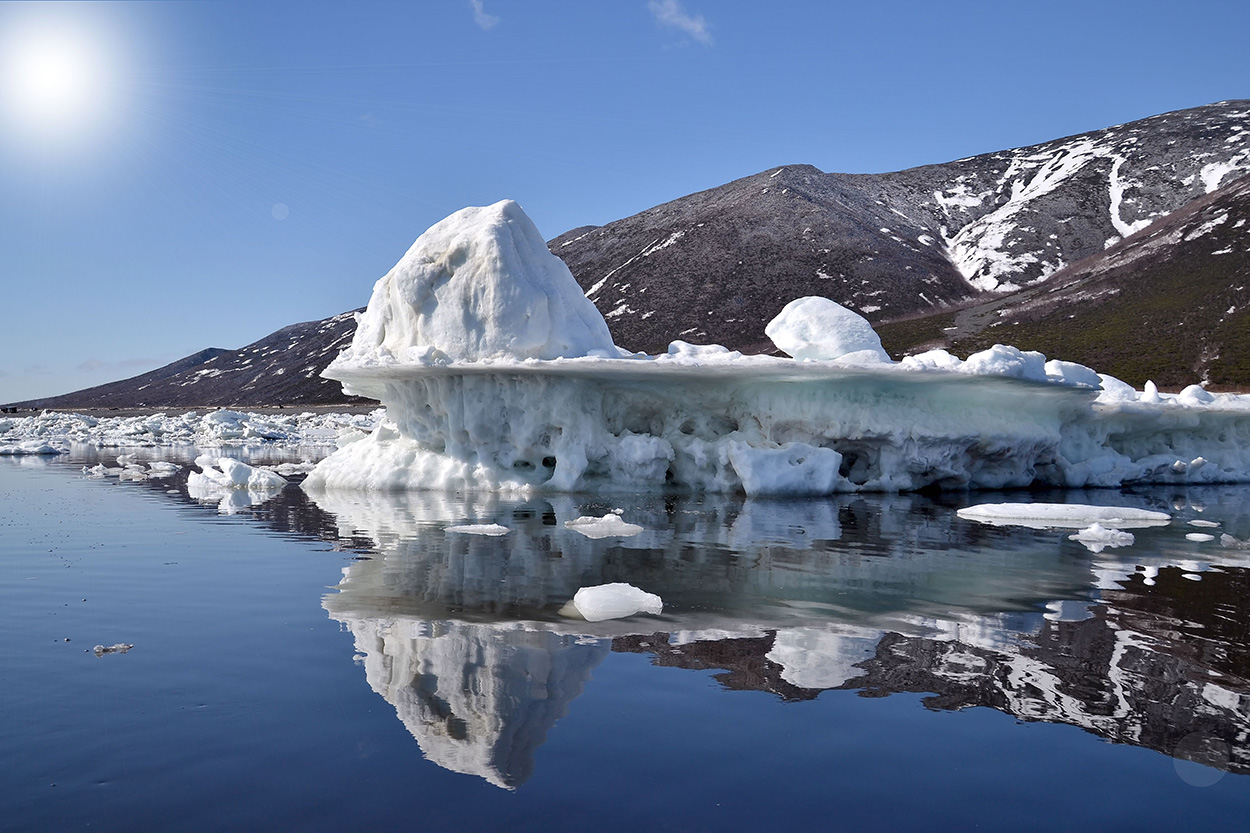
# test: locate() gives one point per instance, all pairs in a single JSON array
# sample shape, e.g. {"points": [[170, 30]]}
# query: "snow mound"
{"points": [[1097, 537], [820, 329], [615, 601], [478, 285], [1063, 515], [607, 526]]}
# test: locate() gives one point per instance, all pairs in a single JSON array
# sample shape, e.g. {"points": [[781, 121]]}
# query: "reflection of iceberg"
{"points": [[479, 699], [499, 375], [876, 594]]}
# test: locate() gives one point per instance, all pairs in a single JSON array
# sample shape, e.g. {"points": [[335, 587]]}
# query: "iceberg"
{"points": [[499, 375]]}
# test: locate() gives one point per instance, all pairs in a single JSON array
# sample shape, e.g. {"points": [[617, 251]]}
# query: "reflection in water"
{"points": [[1147, 645], [478, 698], [879, 595]]}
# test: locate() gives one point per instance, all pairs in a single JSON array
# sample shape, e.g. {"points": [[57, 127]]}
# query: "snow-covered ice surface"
{"points": [[498, 375]]}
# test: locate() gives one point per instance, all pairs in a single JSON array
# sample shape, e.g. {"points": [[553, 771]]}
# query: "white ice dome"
{"points": [[820, 329]]}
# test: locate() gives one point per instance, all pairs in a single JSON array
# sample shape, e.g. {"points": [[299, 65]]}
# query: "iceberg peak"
{"points": [[478, 285]]}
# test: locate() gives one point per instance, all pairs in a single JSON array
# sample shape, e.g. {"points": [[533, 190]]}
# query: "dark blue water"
{"points": [[342, 663]]}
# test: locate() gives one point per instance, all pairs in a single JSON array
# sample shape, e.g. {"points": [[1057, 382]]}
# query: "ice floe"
{"points": [[1063, 515], [606, 526], [498, 375], [615, 601]]}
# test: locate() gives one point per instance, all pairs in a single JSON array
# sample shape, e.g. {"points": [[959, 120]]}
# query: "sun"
{"points": [[57, 80]]}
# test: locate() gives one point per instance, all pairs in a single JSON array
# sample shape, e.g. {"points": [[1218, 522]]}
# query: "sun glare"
{"points": [[57, 81]]}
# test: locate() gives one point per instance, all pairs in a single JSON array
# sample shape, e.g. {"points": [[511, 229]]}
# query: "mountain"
{"points": [[282, 368], [963, 245], [1170, 303], [717, 265]]}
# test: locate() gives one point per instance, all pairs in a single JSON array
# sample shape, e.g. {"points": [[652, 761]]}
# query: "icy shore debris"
{"points": [[615, 601], [499, 375], [606, 526], [220, 473], [1063, 515]]}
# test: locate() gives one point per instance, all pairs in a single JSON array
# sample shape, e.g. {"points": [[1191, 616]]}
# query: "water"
{"points": [[865, 661]]}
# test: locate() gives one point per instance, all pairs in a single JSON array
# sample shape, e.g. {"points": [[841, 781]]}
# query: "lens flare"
{"points": [[57, 81]]}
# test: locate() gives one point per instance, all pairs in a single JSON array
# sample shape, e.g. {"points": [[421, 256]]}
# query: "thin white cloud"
{"points": [[484, 20], [670, 14]]}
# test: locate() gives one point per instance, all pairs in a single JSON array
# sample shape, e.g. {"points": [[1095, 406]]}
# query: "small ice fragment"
{"points": [[1204, 524], [604, 527], [1097, 537], [615, 601], [1234, 543], [1200, 537], [119, 648], [479, 529]]}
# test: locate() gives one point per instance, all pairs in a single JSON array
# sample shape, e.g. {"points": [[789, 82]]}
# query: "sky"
{"points": [[176, 176]]}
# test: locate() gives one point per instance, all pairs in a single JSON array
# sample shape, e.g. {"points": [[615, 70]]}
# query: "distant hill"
{"points": [[976, 244], [718, 265], [282, 368], [1170, 303]]}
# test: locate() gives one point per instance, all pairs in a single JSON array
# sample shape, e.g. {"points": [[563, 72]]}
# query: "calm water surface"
{"points": [[342, 663]]}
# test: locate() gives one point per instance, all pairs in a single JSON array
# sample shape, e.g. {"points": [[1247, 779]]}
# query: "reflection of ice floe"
{"points": [[479, 699]]}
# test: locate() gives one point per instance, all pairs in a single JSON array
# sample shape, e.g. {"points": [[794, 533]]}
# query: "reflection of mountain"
{"points": [[1162, 666], [479, 699], [873, 594]]}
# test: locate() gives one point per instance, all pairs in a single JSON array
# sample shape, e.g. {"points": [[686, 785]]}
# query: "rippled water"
{"points": [[864, 661]]}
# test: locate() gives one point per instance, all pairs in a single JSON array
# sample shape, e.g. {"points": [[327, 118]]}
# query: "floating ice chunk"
{"points": [[608, 526], [1063, 515], [228, 473], [615, 601], [119, 648], [1234, 543], [1097, 537], [820, 329], [162, 468], [1204, 524], [479, 529], [1199, 537], [932, 360], [480, 284]]}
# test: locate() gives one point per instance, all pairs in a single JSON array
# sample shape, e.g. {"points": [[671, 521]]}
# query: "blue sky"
{"points": [[209, 172]]}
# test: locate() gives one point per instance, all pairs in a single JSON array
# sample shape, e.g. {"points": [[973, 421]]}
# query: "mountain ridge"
{"points": [[904, 249]]}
